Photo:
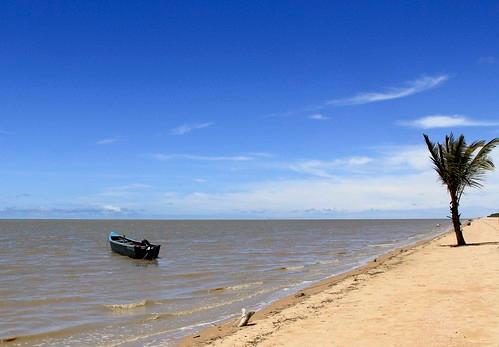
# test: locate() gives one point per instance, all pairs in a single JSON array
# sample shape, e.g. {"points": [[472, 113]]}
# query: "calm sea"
{"points": [[60, 285]]}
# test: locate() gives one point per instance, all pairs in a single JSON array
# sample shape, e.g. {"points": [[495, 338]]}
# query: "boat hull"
{"points": [[132, 248]]}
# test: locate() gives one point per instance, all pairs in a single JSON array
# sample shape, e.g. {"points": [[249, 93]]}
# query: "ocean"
{"points": [[60, 284]]}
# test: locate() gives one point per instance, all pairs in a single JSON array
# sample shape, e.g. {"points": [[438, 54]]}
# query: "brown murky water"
{"points": [[60, 285]]}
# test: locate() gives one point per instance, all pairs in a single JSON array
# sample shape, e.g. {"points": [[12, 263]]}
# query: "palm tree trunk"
{"points": [[454, 209]]}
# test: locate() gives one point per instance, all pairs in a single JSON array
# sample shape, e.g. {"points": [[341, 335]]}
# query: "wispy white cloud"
{"points": [[111, 208], [92, 211], [408, 88], [347, 194], [187, 128], [200, 180], [383, 160], [392, 181], [411, 87], [380, 190], [260, 154], [412, 158], [446, 121], [326, 169], [161, 156], [318, 116], [107, 141]]}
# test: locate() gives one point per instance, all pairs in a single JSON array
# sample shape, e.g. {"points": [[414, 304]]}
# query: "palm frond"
{"points": [[436, 156], [474, 172], [457, 164]]}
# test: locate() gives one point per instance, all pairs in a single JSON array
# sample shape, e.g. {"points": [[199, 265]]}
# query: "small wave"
{"points": [[130, 306], [235, 287], [382, 245], [292, 268], [245, 285], [326, 262], [177, 332], [158, 316]]}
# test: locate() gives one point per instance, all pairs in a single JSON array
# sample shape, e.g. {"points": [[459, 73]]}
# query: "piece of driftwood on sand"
{"points": [[245, 317]]}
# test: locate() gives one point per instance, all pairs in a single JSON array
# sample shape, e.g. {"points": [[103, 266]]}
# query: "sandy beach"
{"points": [[429, 294]]}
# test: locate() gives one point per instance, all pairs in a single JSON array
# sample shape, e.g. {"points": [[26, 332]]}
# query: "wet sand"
{"points": [[429, 294]]}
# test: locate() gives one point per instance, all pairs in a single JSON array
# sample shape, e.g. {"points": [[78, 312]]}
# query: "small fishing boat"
{"points": [[133, 248]]}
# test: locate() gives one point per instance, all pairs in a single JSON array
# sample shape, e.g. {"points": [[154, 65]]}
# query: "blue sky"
{"points": [[303, 109]]}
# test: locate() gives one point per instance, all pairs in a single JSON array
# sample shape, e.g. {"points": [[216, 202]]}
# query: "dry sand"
{"points": [[430, 294]]}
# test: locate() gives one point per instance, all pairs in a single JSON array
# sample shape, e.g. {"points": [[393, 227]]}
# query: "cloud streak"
{"points": [[407, 89], [320, 168], [105, 210], [385, 160], [391, 181], [107, 141], [187, 128], [381, 192], [410, 88], [446, 121], [347, 194], [318, 116]]}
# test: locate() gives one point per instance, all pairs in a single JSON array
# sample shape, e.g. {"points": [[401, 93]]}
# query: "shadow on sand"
{"points": [[474, 244]]}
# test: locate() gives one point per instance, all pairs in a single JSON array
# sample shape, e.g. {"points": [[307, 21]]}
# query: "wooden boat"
{"points": [[133, 248]]}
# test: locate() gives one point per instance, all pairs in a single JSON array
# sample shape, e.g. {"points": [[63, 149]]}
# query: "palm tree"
{"points": [[459, 167]]}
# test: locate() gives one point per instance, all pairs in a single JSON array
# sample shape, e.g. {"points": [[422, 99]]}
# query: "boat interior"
{"points": [[122, 239]]}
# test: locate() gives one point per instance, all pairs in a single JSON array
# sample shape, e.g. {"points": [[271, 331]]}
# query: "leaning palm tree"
{"points": [[459, 167]]}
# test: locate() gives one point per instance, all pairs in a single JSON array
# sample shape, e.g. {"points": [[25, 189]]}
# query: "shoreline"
{"points": [[316, 261], [225, 327]]}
